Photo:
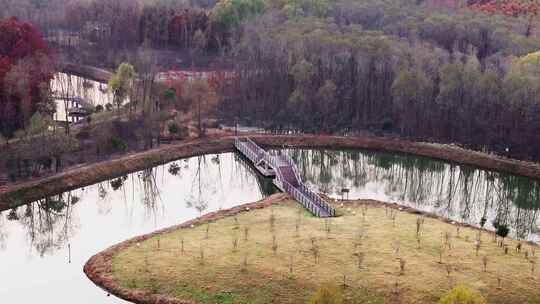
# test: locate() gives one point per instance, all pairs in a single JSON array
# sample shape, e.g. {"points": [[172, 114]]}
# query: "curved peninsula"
{"points": [[272, 251]]}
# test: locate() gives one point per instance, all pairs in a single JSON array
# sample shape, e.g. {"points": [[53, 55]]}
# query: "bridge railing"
{"points": [[318, 200], [291, 163], [300, 197], [252, 150], [279, 175], [270, 160], [246, 150], [310, 200], [306, 191], [258, 150]]}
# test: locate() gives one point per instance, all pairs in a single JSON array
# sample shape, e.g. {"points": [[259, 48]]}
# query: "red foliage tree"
{"points": [[25, 69], [512, 8]]}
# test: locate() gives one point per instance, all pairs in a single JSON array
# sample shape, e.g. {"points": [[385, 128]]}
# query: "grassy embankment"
{"points": [[260, 270]]}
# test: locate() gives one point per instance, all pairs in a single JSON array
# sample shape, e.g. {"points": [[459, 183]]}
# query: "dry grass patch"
{"points": [[375, 254]]}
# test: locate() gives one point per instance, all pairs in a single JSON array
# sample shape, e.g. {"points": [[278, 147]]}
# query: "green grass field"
{"points": [[288, 254]]}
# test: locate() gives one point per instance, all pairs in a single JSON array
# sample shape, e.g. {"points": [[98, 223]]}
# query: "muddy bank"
{"points": [[432, 150], [85, 71], [20, 193], [99, 267], [12, 195]]}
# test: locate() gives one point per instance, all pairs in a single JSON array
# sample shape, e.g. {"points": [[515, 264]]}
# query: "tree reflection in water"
{"points": [[204, 189], [459, 192], [150, 197], [3, 232], [48, 222], [245, 170], [195, 199]]}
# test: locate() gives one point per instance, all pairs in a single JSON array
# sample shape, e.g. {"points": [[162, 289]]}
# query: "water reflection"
{"points": [[39, 240], [458, 192], [3, 233], [67, 86], [266, 186], [43, 245], [48, 223]]}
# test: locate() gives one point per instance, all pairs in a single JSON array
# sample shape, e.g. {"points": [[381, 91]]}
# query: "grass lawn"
{"points": [[288, 254]]}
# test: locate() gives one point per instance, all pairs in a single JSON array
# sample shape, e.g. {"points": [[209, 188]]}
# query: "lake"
{"points": [[44, 244], [66, 85]]}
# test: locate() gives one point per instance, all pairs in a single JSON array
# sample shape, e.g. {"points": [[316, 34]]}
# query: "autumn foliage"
{"points": [[513, 8], [25, 71]]}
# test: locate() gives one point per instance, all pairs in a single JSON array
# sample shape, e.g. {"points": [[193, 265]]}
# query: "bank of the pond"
{"points": [[90, 72], [151, 268], [72, 178], [99, 267]]}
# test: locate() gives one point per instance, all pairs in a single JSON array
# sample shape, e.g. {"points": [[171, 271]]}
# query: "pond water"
{"points": [[458, 192], [67, 85], [44, 245]]}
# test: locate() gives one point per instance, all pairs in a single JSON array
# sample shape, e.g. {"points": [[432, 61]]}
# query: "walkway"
{"points": [[286, 175]]}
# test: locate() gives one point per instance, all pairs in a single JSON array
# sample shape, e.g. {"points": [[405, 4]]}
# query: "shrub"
{"points": [[244, 264], [502, 230], [11, 166], [174, 169], [169, 95], [235, 244], [387, 124], [291, 263], [274, 245], [402, 263], [272, 221], [153, 286], [98, 109], [327, 294], [246, 233], [117, 183], [173, 128], [12, 215], [177, 130], [483, 221], [118, 144], [201, 255], [462, 295], [419, 224]]}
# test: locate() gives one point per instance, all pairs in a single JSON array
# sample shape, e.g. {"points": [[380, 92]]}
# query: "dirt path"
{"points": [[84, 175]]}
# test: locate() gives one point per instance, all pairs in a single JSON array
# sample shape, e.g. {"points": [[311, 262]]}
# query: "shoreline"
{"points": [[15, 194], [99, 267], [93, 73]]}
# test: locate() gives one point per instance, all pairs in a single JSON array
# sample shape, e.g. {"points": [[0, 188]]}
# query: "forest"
{"points": [[25, 71], [444, 71], [447, 76], [419, 110]]}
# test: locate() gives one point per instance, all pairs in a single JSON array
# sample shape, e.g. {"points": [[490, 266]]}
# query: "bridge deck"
{"points": [[286, 175]]}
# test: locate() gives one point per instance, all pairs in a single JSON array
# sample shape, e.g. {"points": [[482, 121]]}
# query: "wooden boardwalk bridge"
{"points": [[286, 176]]}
